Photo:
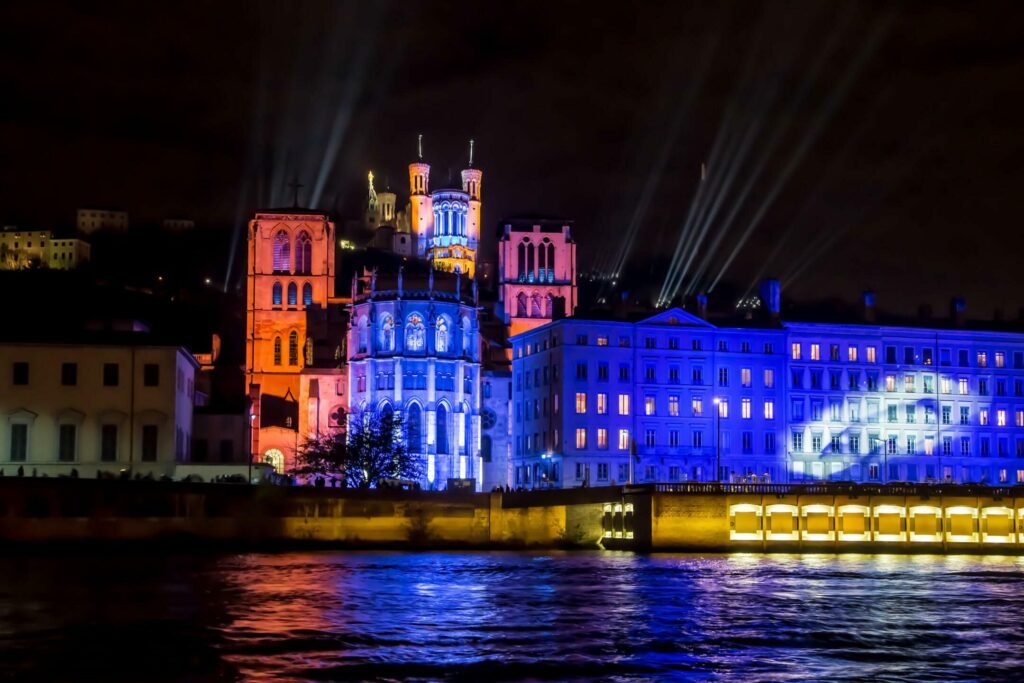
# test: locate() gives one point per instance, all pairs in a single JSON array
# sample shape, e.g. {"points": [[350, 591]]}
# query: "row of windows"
{"points": [[110, 376], [293, 294], [1000, 417], [893, 444], [67, 443], [909, 384], [911, 355], [415, 334], [672, 406], [746, 375], [674, 343]]}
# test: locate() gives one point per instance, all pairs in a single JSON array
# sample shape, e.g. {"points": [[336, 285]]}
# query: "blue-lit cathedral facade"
{"points": [[676, 398], [414, 350]]}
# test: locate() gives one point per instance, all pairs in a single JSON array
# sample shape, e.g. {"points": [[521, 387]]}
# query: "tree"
{"points": [[378, 451], [322, 455], [373, 451]]}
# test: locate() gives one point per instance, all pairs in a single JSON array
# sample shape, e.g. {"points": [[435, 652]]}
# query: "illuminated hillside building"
{"points": [[295, 374], [441, 226]]}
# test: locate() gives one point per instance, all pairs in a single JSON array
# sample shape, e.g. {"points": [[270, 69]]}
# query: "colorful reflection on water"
{"points": [[509, 616]]}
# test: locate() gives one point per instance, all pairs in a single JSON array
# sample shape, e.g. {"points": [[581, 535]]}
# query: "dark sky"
{"points": [[879, 144]]}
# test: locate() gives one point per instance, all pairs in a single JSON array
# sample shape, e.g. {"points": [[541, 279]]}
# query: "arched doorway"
{"points": [[275, 459]]}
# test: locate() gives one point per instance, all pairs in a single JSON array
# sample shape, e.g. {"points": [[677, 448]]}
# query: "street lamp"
{"points": [[718, 438]]}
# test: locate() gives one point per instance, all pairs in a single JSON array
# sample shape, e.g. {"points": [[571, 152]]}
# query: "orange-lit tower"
{"points": [[295, 386], [420, 203]]}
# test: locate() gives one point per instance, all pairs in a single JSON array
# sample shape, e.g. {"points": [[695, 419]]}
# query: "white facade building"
{"points": [[100, 405]]}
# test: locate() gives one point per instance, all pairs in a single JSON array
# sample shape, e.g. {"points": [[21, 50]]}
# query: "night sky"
{"points": [[881, 145]]}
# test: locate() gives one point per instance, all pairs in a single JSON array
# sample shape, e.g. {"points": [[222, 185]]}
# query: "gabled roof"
{"points": [[676, 316]]}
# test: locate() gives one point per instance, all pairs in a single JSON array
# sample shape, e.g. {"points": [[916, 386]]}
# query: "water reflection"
{"points": [[507, 616]]}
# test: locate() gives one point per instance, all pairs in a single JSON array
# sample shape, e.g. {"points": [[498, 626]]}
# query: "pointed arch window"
{"points": [[275, 296], [441, 335], [467, 337], [307, 294], [414, 428], [521, 261], [551, 263], [415, 333], [364, 337], [531, 262], [293, 294], [277, 350], [303, 253], [282, 252], [293, 348], [521, 305], [535, 308], [442, 429], [387, 333]]}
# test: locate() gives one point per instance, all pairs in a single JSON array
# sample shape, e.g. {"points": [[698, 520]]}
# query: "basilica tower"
{"points": [[421, 208]]}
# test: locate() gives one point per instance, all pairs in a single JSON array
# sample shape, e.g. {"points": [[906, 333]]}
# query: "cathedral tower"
{"points": [[292, 379], [420, 202]]}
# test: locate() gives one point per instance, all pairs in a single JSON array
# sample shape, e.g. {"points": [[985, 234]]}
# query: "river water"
{"points": [[481, 616]]}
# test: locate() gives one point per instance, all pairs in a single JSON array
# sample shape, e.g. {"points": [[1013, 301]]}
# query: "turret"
{"points": [[472, 179], [420, 206]]}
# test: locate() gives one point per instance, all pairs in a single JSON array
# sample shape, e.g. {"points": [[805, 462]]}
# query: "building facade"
{"points": [[786, 402], [91, 220], [537, 273], [95, 406], [414, 349], [21, 249], [295, 370]]}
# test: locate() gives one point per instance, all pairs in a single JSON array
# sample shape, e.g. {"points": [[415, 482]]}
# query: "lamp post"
{"points": [[718, 438]]}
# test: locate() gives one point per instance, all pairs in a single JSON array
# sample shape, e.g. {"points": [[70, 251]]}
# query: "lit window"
{"points": [[769, 410], [945, 385], [673, 406], [795, 351], [851, 354], [1000, 359], [581, 403], [602, 403], [890, 382], [982, 359], [697, 406], [1019, 418], [815, 351], [1000, 418], [723, 408], [870, 353], [745, 377], [908, 384], [648, 405], [623, 404], [769, 378], [983, 417], [964, 386], [602, 438], [602, 341], [581, 438], [623, 439], [745, 408]]}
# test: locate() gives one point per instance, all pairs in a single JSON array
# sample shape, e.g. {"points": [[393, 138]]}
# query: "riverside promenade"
{"points": [[690, 516]]}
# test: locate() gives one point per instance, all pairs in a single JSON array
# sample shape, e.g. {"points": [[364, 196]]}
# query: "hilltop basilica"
{"points": [[417, 335]]}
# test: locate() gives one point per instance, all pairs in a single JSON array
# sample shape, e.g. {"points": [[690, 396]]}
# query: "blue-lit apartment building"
{"points": [[779, 401]]}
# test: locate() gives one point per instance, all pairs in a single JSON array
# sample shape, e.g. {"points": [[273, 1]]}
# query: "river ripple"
{"points": [[478, 616]]}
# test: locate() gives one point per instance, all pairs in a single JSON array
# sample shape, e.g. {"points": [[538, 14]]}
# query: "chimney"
{"points": [[702, 306], [957, 309], [771, 297], [869, 306]]}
